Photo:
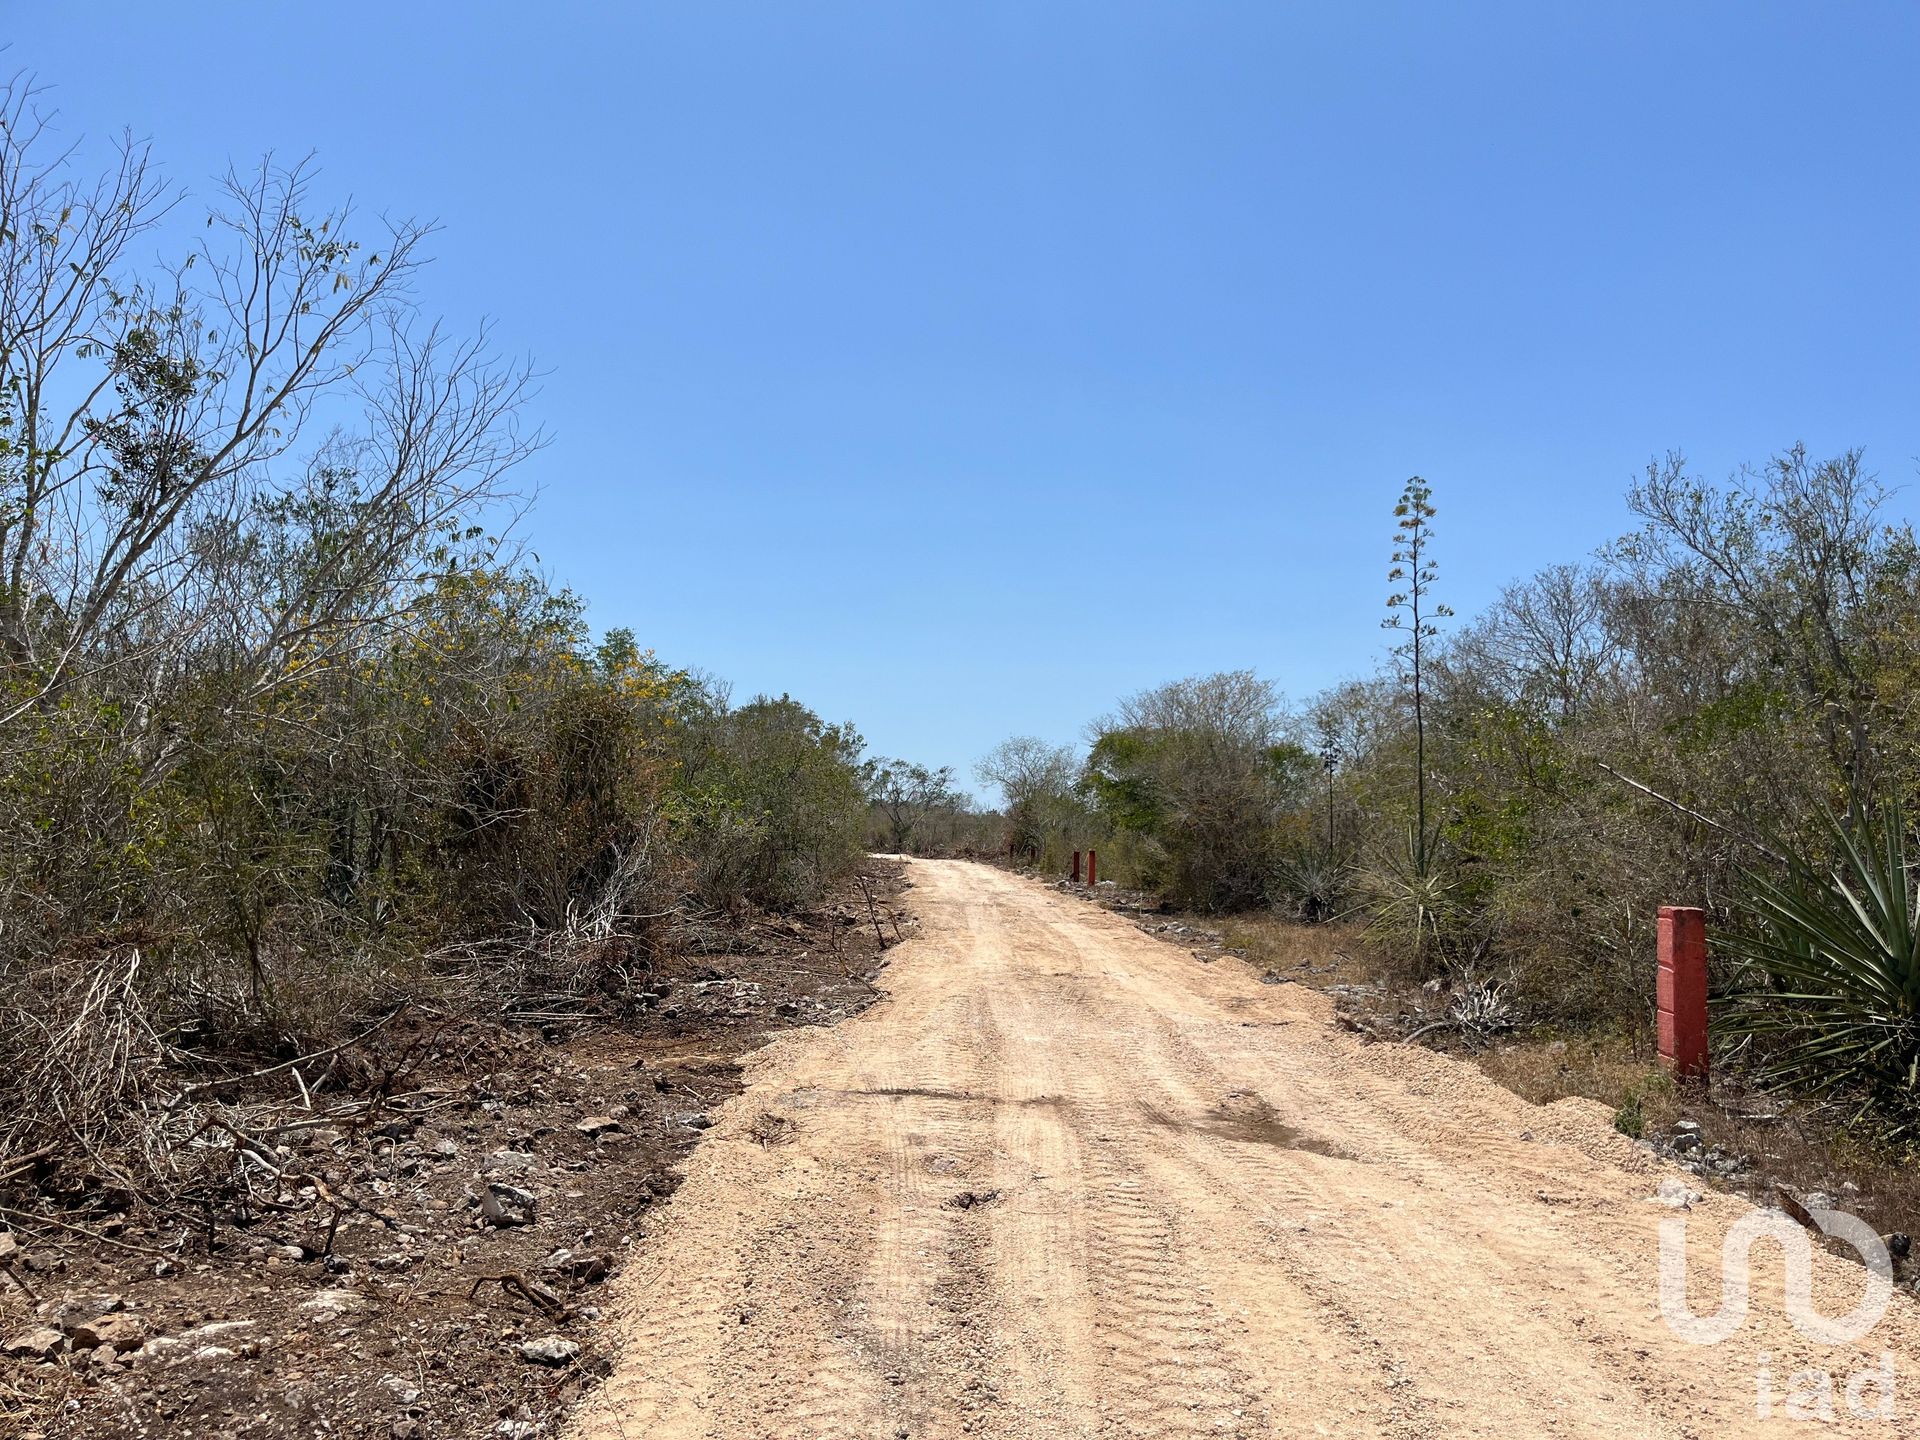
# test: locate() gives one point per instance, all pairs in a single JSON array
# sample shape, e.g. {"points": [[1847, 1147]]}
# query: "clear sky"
{"points": [[961, 367]]}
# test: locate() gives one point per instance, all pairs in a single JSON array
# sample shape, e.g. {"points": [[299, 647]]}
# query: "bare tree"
{"points": [[1026, 769], [1546, 640], [1037, 782], [1795, 553], [252, 454], [909, 795]]}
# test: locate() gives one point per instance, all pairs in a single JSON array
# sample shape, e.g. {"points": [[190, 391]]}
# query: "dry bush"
{"points": [[78, 1058], [290, 743]]}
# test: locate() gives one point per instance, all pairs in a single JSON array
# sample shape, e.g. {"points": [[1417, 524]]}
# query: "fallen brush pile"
{"points": [[400, 1234]]}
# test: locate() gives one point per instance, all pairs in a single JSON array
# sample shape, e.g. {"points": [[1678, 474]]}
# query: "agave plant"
{"points": [[1312, 883], [1482, 1008], [1408, 897], [1839, 949]]}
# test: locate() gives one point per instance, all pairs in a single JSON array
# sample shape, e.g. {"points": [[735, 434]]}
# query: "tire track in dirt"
{"points": [[1067, 1181]]}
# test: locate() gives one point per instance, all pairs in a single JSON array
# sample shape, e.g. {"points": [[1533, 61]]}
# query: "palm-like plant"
{"points": [[1312, 882], [1839, 950], [1409, 897]]}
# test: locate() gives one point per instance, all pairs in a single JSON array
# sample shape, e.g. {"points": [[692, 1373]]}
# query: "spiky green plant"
{"points": [[1311, 883], [1837, 952], [1408, 897]]}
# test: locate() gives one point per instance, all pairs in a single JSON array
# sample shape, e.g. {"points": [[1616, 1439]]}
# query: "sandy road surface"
{"points": [[1069, 1181]]}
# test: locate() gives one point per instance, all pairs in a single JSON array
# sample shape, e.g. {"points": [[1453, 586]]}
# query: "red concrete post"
{"points": [[1092, 859], [1076, 867], [1681, 990]]}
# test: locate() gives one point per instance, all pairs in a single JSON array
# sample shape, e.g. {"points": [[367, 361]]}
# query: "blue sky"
{"points": [[960, 368]]}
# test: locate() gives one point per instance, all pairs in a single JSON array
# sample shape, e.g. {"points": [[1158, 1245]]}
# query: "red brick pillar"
{"points": [[1093, 857], [1682, 989], [1076, 867]]}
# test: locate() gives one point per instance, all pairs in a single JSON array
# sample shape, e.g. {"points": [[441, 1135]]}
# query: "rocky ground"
{"points": [[438, 1274]]}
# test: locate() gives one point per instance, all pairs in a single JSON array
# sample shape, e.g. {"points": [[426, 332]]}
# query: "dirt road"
{"points": [[1069, 1181]]}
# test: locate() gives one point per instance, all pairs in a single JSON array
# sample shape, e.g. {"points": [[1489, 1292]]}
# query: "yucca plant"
{"points": [[1311, 882], [1408, 897], [1837, 950]]}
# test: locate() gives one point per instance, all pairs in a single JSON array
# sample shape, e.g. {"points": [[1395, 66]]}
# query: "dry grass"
{"points": [[1609, 1068], [28, 1413], [1319, 955]]}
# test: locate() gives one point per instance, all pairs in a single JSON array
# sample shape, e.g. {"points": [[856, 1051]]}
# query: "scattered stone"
{"points": [[509, 1162], [1675, 1195], [1715, 1161], [331, 1304], [194, 1343], [584, 1269], [550, 1350], [41, 1344], [118, 1332], [972, 1199], [71, 1314], [505, 1205], [1900, 1252], [444, 1148], [595, 1125], [215, 1328], [402, 1389]]}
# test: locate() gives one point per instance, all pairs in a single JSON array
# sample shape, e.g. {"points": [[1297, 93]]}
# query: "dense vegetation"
{"points": [[1717, 709], [286, 733]]}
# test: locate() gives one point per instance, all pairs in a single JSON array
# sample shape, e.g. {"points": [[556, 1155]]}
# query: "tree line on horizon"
{"points": [[1719, 708]]}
